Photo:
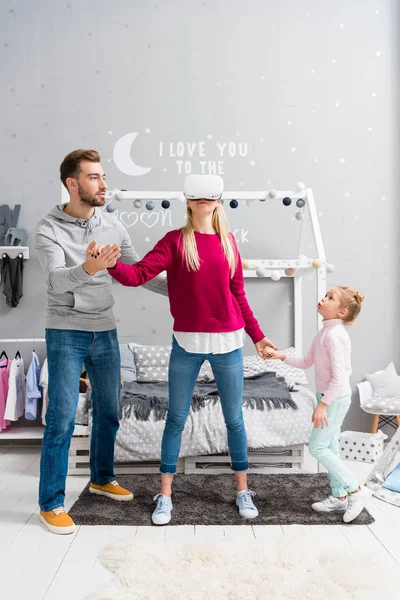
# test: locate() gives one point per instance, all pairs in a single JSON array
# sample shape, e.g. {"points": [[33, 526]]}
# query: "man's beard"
{"points": [[90, 199]]}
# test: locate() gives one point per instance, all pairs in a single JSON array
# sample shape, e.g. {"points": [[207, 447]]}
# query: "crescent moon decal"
{"points": [[122, 156]]}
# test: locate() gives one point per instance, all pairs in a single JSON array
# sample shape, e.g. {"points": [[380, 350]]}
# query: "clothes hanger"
{"points": [[6, 357], [17, 354]]}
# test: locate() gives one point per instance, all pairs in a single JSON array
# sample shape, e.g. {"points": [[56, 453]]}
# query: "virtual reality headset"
{"points": [[209, 187]]}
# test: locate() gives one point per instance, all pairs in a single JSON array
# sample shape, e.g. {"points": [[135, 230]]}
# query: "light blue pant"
{"points": [[324, 446]]}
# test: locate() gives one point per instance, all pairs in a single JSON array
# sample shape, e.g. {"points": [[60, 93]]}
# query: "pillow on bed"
{"points": [[292, 375], [128, 368], [81, 417], [152, 364]]}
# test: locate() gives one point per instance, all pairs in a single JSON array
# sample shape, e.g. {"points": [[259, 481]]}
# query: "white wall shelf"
{"points": [[13, 251], [239, 195], [276, 264]]}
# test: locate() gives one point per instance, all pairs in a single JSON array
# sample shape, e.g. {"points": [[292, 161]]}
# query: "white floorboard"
{"points": [[267, 533], [241, 532], [4, 449], [179, 533], [80, 571], [208, 532], [37, 564], [156, 534], [333, 535]]}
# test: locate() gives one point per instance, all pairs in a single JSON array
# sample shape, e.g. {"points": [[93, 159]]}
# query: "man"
{"points": [[80, 329]]}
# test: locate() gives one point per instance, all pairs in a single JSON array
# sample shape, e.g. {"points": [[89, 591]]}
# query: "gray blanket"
{"points": [[260, 392]]}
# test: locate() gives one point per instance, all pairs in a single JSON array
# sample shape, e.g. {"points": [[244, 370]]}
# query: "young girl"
{"points": [[330, 353], [210, 310]]}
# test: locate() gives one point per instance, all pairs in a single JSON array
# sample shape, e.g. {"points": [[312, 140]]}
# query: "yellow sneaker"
{"points": [[58, 521], [111, 490]]}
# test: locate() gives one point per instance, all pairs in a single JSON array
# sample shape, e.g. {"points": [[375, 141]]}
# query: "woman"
{"points": [[210, 311]]}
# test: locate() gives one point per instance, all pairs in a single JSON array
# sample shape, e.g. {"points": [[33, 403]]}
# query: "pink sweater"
{"points": [[330, 353], [207, 300]]}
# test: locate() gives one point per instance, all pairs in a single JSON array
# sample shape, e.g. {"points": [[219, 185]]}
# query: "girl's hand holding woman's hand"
{"points": [[274, 354], [262, 345]]}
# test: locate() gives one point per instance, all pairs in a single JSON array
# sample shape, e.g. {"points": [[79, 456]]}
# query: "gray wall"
{"points": [[308, 88]]}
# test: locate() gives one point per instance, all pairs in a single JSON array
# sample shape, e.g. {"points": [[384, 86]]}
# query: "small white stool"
{"points": [[366, 392]]}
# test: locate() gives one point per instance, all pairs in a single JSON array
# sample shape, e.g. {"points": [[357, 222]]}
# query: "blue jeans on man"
{"points": [[67, 351]]}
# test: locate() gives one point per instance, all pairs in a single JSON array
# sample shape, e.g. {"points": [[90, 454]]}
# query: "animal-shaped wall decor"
{"points": [[8, 218], [15, 237]]}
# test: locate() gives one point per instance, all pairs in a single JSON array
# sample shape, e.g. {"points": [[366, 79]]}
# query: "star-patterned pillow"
{"points": [[152, 364]]}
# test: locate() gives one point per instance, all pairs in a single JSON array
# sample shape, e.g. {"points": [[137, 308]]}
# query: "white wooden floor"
{"points": [[36, 564]]}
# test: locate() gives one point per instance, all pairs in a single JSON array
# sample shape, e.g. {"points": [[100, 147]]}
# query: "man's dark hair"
{"points": [[71, 165]]}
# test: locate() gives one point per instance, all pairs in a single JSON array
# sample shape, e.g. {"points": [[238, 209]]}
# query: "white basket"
{"points": [[362, 447]]}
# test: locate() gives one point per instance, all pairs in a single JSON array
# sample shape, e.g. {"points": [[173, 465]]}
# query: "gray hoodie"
{"points": [[76, 300]]}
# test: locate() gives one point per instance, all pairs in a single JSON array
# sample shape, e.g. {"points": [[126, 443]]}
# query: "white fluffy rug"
{"points": [[294, 567]]}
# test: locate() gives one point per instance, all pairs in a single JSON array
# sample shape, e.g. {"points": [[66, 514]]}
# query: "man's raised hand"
{"points": [[99, 258]]}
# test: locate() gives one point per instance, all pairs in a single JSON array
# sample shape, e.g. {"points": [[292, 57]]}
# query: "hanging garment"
{"points": [[15, 405], [33, 391], [4, 377], [44, 383], [12, 278]]}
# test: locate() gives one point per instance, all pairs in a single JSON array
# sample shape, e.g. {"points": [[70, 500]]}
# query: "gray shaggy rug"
{"points": [[210, 500]]}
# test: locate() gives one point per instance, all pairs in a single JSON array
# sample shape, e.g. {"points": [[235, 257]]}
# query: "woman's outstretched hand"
{"points": [[99, 258], [262, 344]]}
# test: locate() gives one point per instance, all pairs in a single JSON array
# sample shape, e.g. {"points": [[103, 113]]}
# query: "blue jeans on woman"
{"points": [[67, 352], [184, 368]]}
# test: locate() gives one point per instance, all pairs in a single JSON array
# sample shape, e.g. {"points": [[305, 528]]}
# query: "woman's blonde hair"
{"points": [[351, 299], [221, 227]]}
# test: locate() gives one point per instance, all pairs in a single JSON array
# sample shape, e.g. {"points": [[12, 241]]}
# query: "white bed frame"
{"points": [[267, 460], [260, 461]]}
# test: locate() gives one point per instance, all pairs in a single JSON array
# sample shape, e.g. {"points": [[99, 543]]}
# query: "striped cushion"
{"points": [[293, 376]]}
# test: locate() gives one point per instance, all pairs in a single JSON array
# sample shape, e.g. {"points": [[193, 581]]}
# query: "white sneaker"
{"points": [[357, 502], [244, 501], [162, 512], [330, 504]]}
